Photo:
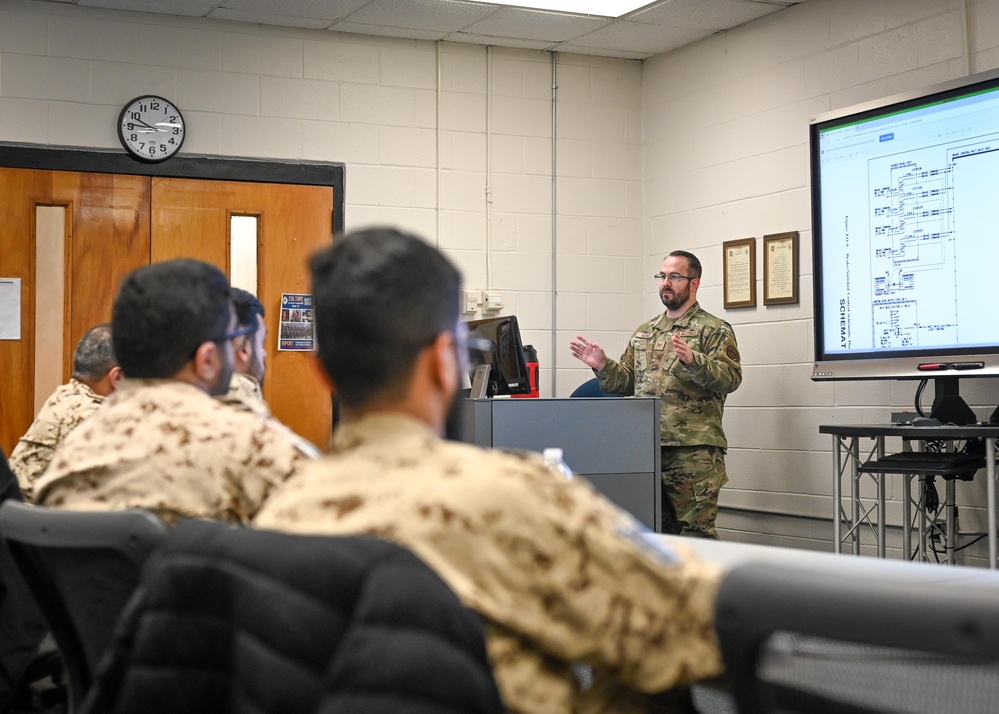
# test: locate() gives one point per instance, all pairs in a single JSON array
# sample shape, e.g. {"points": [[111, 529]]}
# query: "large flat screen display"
{"points": [[905, 227]]}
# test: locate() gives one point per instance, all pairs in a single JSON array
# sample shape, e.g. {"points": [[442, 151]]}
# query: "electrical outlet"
{"points": [[470, 301]]}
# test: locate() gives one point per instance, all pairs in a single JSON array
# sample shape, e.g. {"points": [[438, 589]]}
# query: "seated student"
{"points": [[95, 375], [162, 442], [559, 574], [250, 349]]}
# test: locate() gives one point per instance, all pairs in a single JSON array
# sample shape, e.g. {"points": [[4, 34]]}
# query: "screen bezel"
{"points": [[890, 365]]}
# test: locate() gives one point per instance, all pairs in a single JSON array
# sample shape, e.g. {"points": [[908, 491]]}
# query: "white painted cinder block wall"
{"points": [[686, 150]]}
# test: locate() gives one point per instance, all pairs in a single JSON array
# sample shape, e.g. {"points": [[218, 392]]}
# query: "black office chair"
{"points": [[81, 568], [590, 388], [242, 621], [857, 639], [22, 627]]}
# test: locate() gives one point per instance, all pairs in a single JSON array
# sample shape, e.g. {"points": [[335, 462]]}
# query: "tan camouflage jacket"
{"points": [[559, 574], [693, 396], [168, 446], [244, 392], [68, 405]]}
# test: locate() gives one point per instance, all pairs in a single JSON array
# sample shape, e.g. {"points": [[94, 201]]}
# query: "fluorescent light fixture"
{"points": [[602, 8]]}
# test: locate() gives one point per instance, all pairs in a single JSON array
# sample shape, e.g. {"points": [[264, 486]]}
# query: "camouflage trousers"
{"points": [[692, 476]]}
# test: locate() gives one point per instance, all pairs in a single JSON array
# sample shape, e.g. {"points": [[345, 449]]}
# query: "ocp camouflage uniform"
{"points": [[167, 446], [559, 574], [693, 401], [68, 405], [244, 393]]}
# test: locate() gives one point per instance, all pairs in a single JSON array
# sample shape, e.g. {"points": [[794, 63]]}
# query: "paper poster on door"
{"points": [[10, 308], [297, 328]]}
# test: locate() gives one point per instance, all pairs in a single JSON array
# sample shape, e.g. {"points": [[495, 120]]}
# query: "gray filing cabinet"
{"points": [[612, 442]]}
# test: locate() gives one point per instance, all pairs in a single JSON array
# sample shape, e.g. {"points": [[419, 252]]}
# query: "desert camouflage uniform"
{"points": [[559, 574], [167, 446], [693, 400], [244, 393], [69, 404]]}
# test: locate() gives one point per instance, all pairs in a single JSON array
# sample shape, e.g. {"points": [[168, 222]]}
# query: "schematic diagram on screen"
{"points": [[916, 218]]}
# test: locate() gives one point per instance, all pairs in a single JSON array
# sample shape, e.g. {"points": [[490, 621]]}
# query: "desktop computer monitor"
{"points": [[499, 368]]}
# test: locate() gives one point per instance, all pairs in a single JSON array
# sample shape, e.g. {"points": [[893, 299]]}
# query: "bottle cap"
{"points": [[552, 453]]}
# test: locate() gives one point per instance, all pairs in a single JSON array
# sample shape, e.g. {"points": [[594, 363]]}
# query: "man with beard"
{"points": [[690, 359], [250, 351], [162, 442], [558, 573]]}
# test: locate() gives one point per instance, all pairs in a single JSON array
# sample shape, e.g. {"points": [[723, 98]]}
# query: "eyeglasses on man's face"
{"points": [[671, 277], [238, 332]]}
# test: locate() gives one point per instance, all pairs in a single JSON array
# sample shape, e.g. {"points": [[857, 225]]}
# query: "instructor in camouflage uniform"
{"points": [[688, 358]]}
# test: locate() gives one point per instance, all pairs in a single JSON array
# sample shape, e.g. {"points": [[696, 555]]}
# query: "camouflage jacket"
{"points": [[244, 393], [167, 446], [559, 574], [693, 396], [68, 405]]}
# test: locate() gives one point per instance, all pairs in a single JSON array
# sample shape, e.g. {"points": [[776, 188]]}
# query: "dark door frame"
{"points": [[218, 168]]}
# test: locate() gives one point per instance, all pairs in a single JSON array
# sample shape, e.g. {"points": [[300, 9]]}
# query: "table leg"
{"points": [[990, 490], [907, 516], [837, 494]]}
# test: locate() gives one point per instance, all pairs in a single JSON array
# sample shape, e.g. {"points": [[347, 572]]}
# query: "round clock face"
{"points": [[151, 128]]}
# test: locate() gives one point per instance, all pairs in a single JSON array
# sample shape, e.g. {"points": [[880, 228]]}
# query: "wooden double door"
{"points": [[114, 223]]}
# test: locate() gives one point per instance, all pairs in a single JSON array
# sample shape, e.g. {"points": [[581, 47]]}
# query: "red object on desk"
{"points": [[531, 356]]}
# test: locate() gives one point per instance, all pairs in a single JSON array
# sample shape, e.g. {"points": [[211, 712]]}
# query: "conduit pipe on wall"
{"points": [[966, 16], [437, 152], [489, 167], [554, 220]]}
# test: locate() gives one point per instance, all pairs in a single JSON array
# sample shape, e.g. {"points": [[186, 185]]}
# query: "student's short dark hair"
{"points": [[692, 261], [164, 312], [247, 308], [380, 297], [94, 356]]}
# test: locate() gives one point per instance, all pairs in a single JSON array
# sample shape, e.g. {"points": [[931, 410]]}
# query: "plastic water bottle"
{"points": [[555, 462]]}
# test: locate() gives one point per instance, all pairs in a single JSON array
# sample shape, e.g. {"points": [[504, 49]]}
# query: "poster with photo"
{"points": [[296, 331]]}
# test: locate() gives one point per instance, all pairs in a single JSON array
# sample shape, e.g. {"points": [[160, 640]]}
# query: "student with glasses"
{"points": [[250, 351], [162, 442], [690, 360]]}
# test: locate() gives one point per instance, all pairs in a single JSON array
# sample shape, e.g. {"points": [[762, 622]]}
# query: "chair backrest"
{"points": [[590, 388], [81, 568], [22, 626], [241, 620], [862, 639]]}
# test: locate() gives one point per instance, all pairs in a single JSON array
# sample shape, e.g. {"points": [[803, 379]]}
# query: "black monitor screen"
{"points": [[508, 373]]}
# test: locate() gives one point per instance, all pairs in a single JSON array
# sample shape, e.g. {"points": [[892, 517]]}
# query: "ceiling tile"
{"points": [[436, 15], [639, 37], [713, 15], [196, 8], [535, 25], [315, 9], [262, 18]]}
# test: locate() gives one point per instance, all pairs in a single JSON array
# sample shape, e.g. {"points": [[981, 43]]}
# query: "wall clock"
{"points": [[151, 128]]}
